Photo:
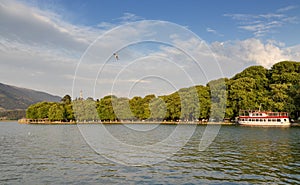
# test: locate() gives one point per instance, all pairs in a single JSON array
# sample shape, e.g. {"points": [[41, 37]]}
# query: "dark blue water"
{"points": [[58, 154]]}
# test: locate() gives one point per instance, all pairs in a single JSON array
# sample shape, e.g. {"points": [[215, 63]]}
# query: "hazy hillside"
{"points": [[12, 97]]}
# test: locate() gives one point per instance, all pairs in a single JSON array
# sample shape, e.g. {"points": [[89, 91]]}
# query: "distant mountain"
{"points": [[12, 98]]}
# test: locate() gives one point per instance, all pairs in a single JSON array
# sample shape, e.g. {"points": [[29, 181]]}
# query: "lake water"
{"points": [[59, 154]]}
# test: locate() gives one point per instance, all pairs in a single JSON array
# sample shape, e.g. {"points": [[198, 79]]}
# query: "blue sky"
{"points": [[211, 20], [43, 42]]}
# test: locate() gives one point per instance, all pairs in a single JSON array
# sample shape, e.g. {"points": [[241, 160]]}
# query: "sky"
{"points": [[64, 47]]}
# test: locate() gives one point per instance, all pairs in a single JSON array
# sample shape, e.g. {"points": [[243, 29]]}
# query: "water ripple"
{"points": [[239, 155]]}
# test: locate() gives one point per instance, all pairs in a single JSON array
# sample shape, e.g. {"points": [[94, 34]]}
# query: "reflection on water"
{"points": [[58, 154]]}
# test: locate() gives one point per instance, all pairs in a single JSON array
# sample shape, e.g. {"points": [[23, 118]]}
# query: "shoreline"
{"points": [[8, 120], [47, 122]]}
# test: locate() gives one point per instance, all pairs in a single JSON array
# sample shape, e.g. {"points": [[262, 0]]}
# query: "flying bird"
{"points": [[116, 56]]}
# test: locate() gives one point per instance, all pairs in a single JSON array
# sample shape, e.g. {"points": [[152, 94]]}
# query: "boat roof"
{"points": [[260, 111]]}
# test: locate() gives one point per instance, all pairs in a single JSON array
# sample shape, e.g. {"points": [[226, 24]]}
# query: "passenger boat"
{"points": [[263, 118]]}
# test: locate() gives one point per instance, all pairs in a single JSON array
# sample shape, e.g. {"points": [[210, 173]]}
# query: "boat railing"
{"points": [[261, 113]]}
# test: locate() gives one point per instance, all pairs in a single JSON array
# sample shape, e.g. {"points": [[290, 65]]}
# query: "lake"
{"points": [[62, 154]]}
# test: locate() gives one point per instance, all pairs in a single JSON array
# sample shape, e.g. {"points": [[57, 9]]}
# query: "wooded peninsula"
{"points": [[276, 89]]}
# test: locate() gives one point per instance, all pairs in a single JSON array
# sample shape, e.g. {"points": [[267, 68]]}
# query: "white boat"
{"points": [[264, 118]]}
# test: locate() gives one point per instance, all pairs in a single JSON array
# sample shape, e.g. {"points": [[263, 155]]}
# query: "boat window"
{"points": [[278, 120], [284, 119], [269, 120], [261, 120]]}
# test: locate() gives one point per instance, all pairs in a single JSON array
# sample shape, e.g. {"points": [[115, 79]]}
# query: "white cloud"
{"points": [[181, 59], [210, 30], [129, 17], [32, 26], [262, 24], [105, 25], [254, 51], [287, 8], [39, 50]]}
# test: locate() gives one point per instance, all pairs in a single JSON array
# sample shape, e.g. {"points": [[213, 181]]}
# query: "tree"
{"points": [[68, 112], [43, 109], [158, 109], [258, 73], [31, 112], [218, 95], [204, 101], [85, 110], [294, 93], [277, 89], [105, 108], [66, 99], [173, 106], [122, 109], [39, 110], [145, 103], [285, 72], [137, 107], [56, 112]]}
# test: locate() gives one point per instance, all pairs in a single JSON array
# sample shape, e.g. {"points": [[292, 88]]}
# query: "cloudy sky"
{"points": [[62, 47]]}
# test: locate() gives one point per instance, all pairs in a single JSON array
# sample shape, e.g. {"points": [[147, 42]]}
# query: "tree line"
{"points": [[12, 114], [275, 89]]}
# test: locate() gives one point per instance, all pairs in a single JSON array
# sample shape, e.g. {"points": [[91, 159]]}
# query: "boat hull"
{"points": [[265, 124]]}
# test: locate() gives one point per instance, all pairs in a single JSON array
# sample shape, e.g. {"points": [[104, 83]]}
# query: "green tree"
{"points": [[56, 112], [68, 112], [218, 95], [85, 110], [277, 89], [66, 99], [173, 104], [258, 73], [294, 93], [204, 101], [158, 109], [105, 108], [39, 110], [122, 109], [137, 107], [190, 106], [43, 109], [31, 112], [146, 109], [285, 72]]}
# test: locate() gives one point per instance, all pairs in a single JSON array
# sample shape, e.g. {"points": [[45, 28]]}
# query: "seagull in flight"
{"points": [[116, 56]]}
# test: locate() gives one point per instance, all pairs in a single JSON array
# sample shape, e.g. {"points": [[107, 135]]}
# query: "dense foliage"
{"points": [[12, 114], [276, 89], [53, 111]]}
